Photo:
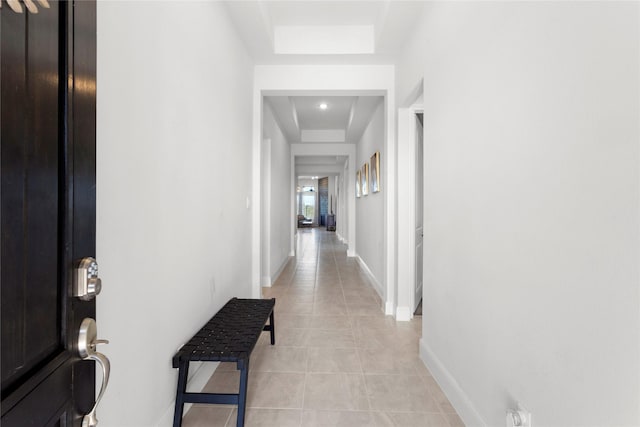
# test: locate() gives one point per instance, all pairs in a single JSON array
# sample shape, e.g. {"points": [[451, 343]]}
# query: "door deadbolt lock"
{"points": [[86, 283]]}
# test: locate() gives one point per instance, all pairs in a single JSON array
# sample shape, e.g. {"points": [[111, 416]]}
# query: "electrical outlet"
{"points": [[519, 417]]}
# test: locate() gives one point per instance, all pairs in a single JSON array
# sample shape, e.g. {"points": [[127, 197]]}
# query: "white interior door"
{"points": [[419, 158]]}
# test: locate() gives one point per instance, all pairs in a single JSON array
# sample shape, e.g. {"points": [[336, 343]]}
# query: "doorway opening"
{"points": [[410, 211], [306, 201]]}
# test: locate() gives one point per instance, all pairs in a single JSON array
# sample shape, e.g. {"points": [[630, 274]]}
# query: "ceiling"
{"points": [[309, 167], [302, 120], [324, 32]]}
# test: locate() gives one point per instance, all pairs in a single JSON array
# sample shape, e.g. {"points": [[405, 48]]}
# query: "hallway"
{"points": [[337, 360]]}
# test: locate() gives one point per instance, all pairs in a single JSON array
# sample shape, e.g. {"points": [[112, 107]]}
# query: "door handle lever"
{"points": [[87, 343]]}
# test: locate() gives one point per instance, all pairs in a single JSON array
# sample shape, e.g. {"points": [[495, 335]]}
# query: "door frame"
{"points": [[405, 301]]}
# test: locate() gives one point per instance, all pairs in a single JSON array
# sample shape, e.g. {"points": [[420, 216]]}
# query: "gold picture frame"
{"points": [[358, 184], [365, 179], [375, 172]]}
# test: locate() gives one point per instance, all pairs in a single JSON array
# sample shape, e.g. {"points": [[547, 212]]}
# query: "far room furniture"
{"points": [[331, 222], [304, 222]]}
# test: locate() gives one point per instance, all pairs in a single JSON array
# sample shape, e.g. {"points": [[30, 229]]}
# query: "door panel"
{"points": [[30, 206], [419, 197], [13, 93], [34, 410], [48, 210]]}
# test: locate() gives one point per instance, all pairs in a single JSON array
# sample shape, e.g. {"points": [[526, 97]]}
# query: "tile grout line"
{"points": [[306, 373], [364, 380]]}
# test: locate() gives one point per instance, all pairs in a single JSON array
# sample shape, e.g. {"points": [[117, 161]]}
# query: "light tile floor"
{"points": [[338, 360]]}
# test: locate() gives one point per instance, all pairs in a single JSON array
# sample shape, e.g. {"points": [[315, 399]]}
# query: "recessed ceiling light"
{"points": [[323, 106]]}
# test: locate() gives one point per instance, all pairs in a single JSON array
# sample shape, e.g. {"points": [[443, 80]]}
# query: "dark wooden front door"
{"points": [[48, 209]]}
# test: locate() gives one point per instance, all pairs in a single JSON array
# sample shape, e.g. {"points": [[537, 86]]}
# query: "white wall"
{"points": [[281, 200], [410, 68], [278, 198], [370, 208], [532, 209], [173, 175]]}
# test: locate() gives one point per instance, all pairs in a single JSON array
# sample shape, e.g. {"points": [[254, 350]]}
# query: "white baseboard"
{"points": [[376, 285], [275, 276], [199, 376], [456, 395], [388, 308], [403, 314], [369, 273], [388, 305], [267, 281]]}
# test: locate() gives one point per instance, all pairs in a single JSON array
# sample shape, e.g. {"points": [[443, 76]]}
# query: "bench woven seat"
{"points": [[230, 336]]}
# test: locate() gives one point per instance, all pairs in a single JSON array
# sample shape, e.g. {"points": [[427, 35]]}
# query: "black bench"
{"points": [[229, 336]]}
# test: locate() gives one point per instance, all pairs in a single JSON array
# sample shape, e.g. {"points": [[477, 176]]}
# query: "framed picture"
{"points": [[375, 172], [358, 184], [365, 179]]}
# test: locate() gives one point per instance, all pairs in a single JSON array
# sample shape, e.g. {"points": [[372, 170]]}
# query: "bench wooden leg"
{"points": [[183, 373], [242, 394], [273, 329]]}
